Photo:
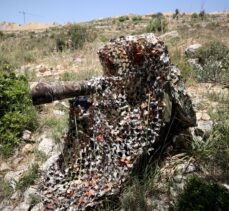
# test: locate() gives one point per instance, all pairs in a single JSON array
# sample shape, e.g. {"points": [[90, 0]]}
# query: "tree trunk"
{"points": [[46, 93]]}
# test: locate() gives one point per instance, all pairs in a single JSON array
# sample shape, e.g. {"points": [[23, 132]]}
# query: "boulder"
{"points": [[46, 145], [190, 50], [170, 35]]}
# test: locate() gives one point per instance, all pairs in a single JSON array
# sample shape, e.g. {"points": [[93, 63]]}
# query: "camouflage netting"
{"points": [[112, 128]]}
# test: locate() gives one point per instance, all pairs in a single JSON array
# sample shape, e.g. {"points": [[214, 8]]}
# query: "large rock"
{"points": [[140, 98], [170, 35], [46, 145]]}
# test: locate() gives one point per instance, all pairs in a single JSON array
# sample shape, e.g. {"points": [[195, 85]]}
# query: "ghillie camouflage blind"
{"points": [[111, 128]]}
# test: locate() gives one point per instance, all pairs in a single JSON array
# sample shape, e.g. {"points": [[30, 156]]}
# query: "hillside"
{"points": [[194, 157]]}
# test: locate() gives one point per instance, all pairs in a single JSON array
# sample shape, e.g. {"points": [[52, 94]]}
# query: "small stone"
{"points": [[26, 135], [205, 117], [4, 167], [15, 196], [198, 115], [27, 148], [22, 207], [58, 112], [38, 207]]}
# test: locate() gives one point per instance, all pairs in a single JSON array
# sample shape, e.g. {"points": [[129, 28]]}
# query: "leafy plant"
{"points": [[16, 110], [200, 196]]}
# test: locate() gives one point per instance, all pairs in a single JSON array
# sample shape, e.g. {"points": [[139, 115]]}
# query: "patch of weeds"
{"points": [[133, 197], [30, 75], [56, 125], [213, 152], [5, 190], [200, 195], [218, 97], [214, 60], [221, 115], [40, 156], [28, 178], [34, 199], [181, 62], [103, 38]]}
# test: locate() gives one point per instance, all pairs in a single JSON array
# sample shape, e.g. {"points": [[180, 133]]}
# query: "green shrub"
{"points": [[157, 24], [136, 18], [79, 35], [194, 15], [214, 59], [200, 196], [16, 110], [28, 178], [123, 18]]}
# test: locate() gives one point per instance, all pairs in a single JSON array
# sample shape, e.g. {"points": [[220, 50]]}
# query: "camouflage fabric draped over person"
{"points": [[111, 128]]}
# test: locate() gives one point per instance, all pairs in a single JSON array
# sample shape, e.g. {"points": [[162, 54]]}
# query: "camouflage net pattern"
{"points": [[112, 128]]}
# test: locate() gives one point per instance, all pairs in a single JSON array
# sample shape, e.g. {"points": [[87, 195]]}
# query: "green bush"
{"points": [[157, 24], [214, 59], [16, 110], [79, 35], [194, 15], [199, 195], [123, 18], [136, 18]]}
